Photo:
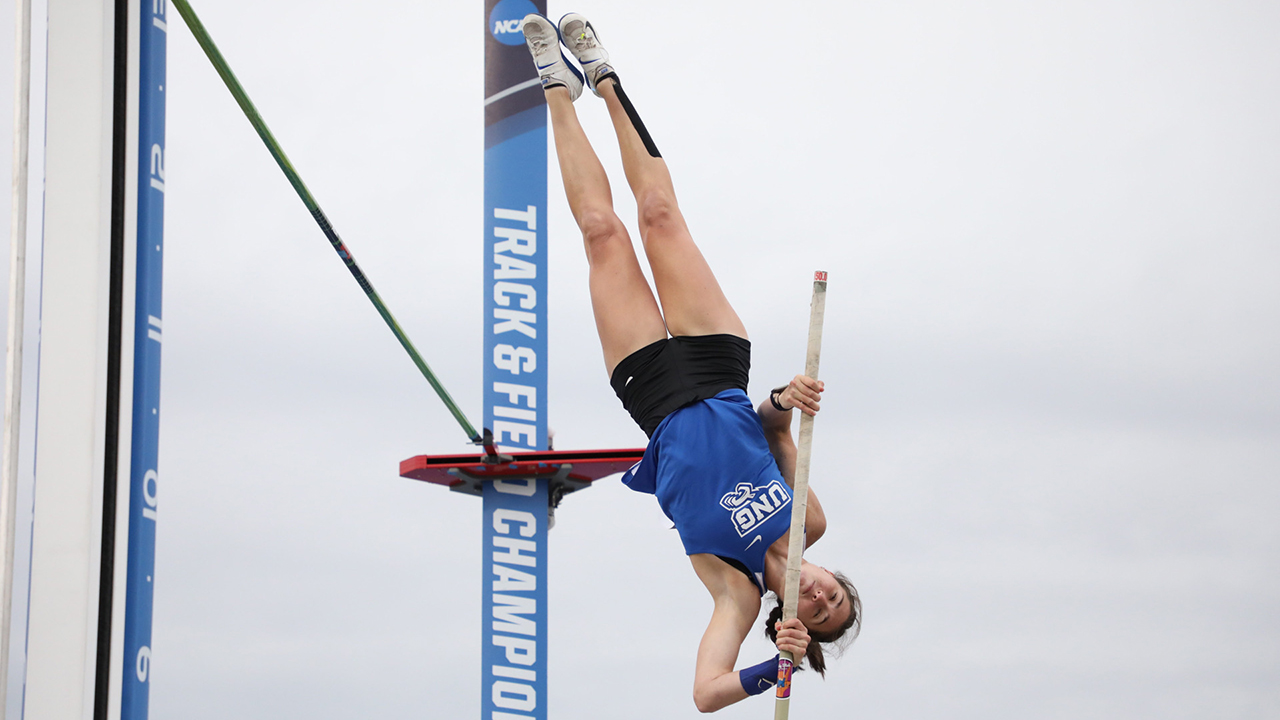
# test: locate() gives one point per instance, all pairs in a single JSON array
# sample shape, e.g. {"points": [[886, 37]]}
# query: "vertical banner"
{"points": [[514, 620], [139, 582], [513, 680], [515, 233]]}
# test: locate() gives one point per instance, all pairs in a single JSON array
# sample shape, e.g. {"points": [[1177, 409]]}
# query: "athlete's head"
{"points": [[829, 607]]}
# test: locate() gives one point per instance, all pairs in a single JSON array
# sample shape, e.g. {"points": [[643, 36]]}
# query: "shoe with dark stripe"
{"points": [[577, 34], [554, 69]]}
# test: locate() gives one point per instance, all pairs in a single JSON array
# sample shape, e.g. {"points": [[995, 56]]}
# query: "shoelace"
{"points": [[581, 40], [537, 44]]}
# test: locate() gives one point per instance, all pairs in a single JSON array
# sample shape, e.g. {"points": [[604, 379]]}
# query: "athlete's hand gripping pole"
{"points": [[800, 496]]}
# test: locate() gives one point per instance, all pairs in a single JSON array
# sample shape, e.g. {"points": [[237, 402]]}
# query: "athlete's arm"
{"points": [[805, 393], [737, 603]]}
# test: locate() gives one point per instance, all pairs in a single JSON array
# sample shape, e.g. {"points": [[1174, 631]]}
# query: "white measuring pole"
{"points": [[800, 495], [13, 353]]}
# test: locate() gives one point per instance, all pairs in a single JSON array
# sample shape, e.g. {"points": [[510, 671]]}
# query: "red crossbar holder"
{"points": [[569, 469]]}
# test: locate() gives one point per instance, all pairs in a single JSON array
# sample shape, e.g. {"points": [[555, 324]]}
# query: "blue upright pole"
{"points": [[139, 581], [514, 571], [515, 234], [514, 654]]}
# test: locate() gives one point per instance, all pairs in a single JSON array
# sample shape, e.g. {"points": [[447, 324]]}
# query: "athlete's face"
{"points": [[824, 604]]}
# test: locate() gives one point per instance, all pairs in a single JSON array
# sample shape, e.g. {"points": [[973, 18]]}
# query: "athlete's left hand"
{"points": [[793, 637], [803, 392]]}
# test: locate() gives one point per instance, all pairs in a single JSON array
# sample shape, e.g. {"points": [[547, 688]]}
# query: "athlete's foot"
{"points": [[579, 36], [554, 69]]}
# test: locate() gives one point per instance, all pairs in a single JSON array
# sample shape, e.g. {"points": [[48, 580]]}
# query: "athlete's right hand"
{"points": [[802, 392], [793, 637]]}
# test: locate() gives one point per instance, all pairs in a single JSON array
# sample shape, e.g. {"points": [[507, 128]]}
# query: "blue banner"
{"points": [[143, 479], [515, 234], [514, 620], [513, 680]]}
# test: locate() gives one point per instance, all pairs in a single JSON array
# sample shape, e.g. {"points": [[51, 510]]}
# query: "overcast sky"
{"points": [[1050, 447]]}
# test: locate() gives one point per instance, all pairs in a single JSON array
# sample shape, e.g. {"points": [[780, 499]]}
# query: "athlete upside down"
{"points": [[679, 363]]}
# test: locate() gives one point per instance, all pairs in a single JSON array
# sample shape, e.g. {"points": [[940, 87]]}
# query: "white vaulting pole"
{"points": [[800, 499], [13, 354]]}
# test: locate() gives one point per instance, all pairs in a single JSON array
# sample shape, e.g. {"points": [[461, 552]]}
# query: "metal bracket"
{"points": [[559, 484], [491, 454]]}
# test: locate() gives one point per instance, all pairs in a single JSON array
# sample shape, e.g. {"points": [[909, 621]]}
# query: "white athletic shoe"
{"points": [[577, 34], [554, 69]]}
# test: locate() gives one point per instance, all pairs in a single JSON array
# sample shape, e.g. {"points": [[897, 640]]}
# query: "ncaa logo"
{"points": [[504, 21], [750, 506]]}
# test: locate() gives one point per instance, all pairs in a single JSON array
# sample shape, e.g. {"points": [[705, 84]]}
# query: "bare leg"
{"points": [[627, 316], [692, 301]]}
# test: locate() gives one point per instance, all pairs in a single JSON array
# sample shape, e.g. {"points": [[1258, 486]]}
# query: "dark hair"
{"points": [[814, 654]]}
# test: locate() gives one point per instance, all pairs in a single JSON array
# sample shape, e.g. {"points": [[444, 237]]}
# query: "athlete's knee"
{"points": [[600, 231], [657, 208]]}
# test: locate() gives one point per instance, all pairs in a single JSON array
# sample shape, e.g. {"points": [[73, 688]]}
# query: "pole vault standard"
{"points": [[13, 353], [98, 359], [518, 490], [514, 625], [515, 232]]}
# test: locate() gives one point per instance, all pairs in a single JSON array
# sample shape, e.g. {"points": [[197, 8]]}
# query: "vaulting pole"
{"points": [[13, 358], [800, 500]]}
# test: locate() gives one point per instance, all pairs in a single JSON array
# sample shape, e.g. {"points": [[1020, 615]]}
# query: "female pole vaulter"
{"points": [[721, 470]]}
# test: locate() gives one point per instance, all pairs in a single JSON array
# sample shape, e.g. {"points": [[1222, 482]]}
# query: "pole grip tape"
{"points": [[784, 678]]}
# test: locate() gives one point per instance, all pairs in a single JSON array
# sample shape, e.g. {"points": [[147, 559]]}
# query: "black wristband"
{"points": [[773, 398]]}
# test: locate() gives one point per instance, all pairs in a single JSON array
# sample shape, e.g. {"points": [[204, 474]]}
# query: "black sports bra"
{"points": [[742, 568]]}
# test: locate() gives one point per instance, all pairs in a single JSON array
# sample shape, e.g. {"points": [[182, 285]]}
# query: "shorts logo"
{"points": [[750, 506]]}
